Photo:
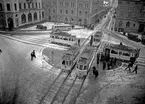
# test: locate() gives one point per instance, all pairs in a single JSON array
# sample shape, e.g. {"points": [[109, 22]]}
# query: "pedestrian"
{"points": [[104, 65], [33, 55], [0, 51], [95, 72], [128, 67], [135, 69]]}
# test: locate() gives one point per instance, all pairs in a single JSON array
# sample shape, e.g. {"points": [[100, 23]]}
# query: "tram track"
{"points": [[61, 80]]}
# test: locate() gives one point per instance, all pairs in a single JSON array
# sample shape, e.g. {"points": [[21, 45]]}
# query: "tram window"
{"points": [[63, 62], [65, 39], [85, 67], [69, 62], [56, 37], [114, 52], [81, 67], [126, 54], [66, 62]]}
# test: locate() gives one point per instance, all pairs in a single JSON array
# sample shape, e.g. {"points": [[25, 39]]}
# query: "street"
{"points": [[37, 82]]}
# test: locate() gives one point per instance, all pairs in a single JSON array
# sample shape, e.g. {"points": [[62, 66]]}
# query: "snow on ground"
{"points": [[81, 33]]}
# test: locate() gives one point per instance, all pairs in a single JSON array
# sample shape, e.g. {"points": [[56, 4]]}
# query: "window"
{"points": [[24, 5], [86, 13], [53, 10], [1, 7], [80, 5], [36, 5], [72, 12], [56, 37], [39, 5], [85, 67], [20, 6], [72, 5], [133, 25], [61, 4], [86, 5], [80, 13], [69, 62], [23, 18], [54, 3], [66, 11], [66, 4], [60, 11], [66, 19], [81, 67], [29, 17], [113, 52], [65, 39], [120, 24], [42, 14], [29, 5], [15, 5], [35, 16], [8, 7], [49, 10], [128, 24], [32, 5], [126, 54]]}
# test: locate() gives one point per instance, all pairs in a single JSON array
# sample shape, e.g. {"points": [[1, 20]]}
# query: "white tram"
{"points": [[97, 38], [63, 38], [120, 51], [64, 27], [83, 62], [69, 57]]}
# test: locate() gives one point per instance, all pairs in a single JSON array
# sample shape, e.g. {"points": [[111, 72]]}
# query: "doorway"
{"points": [[141, 28], [10, 24]]}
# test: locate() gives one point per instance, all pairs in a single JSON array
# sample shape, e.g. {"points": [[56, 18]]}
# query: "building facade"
{"points": [[130, 16], [71, 11], [15, 13]]}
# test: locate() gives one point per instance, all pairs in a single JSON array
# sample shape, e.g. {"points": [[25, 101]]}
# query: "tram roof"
{"points": [[63, 34], [122, 47], [72, 49], [66, 56]]}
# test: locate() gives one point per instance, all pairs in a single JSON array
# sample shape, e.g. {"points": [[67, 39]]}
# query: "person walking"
{"points": [[33, 55], [135, 69], [128, 67], [95, 72]]}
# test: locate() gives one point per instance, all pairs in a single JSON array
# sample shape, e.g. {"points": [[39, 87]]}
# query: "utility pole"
{"points": [[52, 53]]}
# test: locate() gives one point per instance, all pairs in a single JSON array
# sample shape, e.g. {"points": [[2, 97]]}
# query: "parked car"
{"points": [[41, 27]]}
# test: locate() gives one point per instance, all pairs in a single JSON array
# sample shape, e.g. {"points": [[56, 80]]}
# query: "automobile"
{"points": [[41, 27]]}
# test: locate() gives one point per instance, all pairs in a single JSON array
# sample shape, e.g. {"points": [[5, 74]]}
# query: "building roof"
{"points": [[67, 56], [62, 34], [121, 47]]}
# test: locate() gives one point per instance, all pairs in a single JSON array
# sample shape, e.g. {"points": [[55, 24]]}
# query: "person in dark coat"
{"points": [[0, 51], [104, 65], [128, 67], [33, 55], [95, 72], [135, 69]]}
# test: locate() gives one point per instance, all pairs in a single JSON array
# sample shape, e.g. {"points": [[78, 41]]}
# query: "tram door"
{"points": [[107, 54]]}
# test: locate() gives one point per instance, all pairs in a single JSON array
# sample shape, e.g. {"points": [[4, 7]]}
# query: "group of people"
{"points": [[131, 65]]}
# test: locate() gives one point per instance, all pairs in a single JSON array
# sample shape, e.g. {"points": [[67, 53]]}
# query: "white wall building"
{"points": [[16, 13]]}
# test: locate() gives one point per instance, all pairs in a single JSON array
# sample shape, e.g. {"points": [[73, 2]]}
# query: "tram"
{"points": [[83, 62], [65, 27], [68, 59], [120, 51], [97, 38], [63, 38]]}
